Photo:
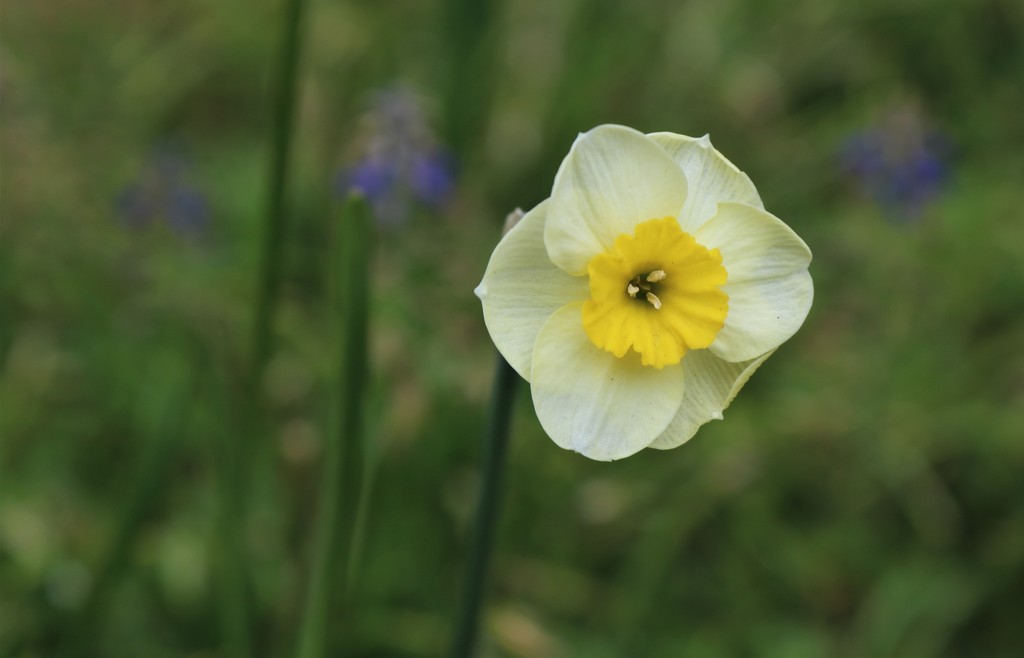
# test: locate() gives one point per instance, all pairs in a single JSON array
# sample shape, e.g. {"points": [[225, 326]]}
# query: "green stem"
{"points": [[341, 481], [273, 235], [360, 520], [234, 577], [469, 33], [496, 443], [230, 553]]}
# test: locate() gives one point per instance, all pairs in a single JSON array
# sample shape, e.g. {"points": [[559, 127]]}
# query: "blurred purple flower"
{"points": [[399, 163], [899, 162], [431, 178], [164, 194]]}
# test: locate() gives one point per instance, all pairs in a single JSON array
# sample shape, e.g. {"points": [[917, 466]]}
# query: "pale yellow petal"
{"points": [[521, 288], [711, 384], [711, 178], [590, 401], [754, 244], [613, 178], [763, 314]]}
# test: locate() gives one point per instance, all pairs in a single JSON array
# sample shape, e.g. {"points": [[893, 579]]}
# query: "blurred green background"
{"points": [[863, 498]]}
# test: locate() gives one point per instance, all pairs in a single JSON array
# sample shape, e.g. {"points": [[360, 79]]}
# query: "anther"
{"points": [[632, 290], [656, 276], [653, 299]]}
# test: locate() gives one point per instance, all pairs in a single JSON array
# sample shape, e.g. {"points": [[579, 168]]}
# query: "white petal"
{"points": [[589, 401], [613, 178], [711, 384], [754, 243], [763, 314], [521, 288], [711, 178]]}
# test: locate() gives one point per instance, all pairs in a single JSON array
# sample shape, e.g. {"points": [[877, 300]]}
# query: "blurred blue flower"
{"points": [[398, 162], [163, 194], [899, 162]]}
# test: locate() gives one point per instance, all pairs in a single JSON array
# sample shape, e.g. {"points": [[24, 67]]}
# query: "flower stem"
{"points": [[232, 572], [495, 448], [341, 484], [281, 136], [468, 31], [233, 467]]}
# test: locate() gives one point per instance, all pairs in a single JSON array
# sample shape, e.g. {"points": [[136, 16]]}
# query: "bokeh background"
{"points": [[864, 497]]}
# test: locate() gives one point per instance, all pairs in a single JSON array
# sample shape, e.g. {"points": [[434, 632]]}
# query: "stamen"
{"points": [[632, 290], [656, 276], [655, 302]]}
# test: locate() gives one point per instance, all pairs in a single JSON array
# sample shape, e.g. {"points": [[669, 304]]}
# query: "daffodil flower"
{"points": [[642, 295]]}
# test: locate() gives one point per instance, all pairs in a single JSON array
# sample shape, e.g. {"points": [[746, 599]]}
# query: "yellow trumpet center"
{"points": [[656, 291]]}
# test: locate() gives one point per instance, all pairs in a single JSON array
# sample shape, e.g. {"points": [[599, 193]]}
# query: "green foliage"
{"points": [[862, 498]]}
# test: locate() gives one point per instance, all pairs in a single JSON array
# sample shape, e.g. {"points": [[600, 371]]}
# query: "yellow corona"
{"points": [[656, 291]]}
